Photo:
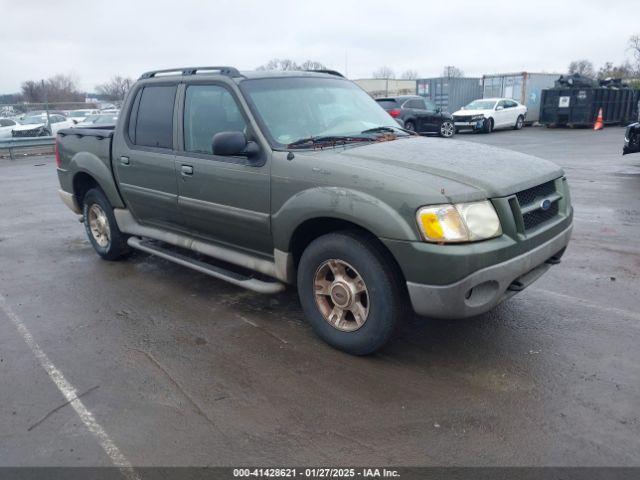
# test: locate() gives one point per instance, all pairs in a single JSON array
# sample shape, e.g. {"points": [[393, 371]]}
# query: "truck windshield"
{"points": [[293, 109]]}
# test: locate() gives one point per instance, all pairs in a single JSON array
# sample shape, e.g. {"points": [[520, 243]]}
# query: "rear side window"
{"points": [[415, 103], [154, 122], [387, 104]]}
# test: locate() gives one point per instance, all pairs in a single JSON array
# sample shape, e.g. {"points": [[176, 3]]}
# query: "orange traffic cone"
{"points": [[599, 125]]}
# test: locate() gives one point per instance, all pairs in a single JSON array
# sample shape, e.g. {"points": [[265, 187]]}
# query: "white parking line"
{"points": [[587, 303], [71, 395]]}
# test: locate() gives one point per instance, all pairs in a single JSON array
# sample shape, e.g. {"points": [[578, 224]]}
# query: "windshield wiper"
{"points": [[382, 129], [327, 139]]}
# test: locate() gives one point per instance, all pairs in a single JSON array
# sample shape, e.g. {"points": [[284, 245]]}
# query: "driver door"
{"points": [[501, 115], [220, 198]]}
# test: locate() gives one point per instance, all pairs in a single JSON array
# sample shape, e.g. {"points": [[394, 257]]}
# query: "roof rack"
{"points": [[330, 72], [224, 70]]}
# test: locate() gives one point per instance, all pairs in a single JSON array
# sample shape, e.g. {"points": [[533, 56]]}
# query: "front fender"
{"points": [[353, 206], [94, 166]]}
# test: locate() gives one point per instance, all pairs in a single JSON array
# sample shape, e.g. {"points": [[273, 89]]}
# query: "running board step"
{"points": [[250, 283]]}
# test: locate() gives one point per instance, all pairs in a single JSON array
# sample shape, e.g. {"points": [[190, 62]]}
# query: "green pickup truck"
{"points": [[266, 179]]}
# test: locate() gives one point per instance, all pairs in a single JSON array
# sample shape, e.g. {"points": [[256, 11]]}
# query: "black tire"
{"points": [[487, 126], [447, 129], [409, 125], [115, 246], [385, 297], [519, 123]]}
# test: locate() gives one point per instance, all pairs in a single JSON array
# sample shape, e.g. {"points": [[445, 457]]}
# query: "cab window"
{"points": [[154, 122], [209, 109]]}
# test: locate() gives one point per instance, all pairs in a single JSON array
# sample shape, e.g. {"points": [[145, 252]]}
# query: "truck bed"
{"points": [[85, 141]]}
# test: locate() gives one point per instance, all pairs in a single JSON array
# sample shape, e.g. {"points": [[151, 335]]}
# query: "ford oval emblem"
{"points": [[546, 204]]}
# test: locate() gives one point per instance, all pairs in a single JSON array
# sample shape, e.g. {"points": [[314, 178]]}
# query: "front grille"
{"points": [[462, 118], [531, 203], [538, 217], [25, 133], [527, 197]]}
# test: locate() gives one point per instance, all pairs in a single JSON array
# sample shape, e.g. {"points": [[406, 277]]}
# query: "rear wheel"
{"points": [[519, 123], [101, 227], [350, 292], [447, 129], [409, 125]]}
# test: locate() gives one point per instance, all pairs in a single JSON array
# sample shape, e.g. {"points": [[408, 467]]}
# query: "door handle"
{"points": [[124, 160], [187, 170]]}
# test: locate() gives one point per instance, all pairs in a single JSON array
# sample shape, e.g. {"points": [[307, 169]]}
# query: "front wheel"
{"points": [[101, 227], [447, 129], [350, 292], [519, 123], [487, 126]]}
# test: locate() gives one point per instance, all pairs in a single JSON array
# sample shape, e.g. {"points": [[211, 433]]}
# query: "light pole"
{"points": [[46, 104]]}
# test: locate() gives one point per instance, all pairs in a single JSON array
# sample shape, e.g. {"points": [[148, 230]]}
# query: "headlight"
{"points": [[475, 118], [460, 222]]}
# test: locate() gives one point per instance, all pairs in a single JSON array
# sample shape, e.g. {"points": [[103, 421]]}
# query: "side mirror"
{"points": [[499, 107], [438, 110], [233, 144], [75, 122]]}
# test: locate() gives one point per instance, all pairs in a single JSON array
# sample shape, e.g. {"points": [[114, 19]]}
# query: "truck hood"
{"points": [[455, 166]]}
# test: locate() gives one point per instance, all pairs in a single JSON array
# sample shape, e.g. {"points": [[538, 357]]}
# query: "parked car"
{"points": [[78, 116], [6, 125], [99, 119], [37, 126], [488, 114], [632, 139], [303, 179], [418, 114]]}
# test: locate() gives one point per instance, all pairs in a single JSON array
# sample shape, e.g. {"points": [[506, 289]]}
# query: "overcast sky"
{"points": [[97, 39]]}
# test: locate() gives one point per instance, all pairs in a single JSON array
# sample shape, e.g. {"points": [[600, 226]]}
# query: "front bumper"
{"points": [[484, 289], [477, 125]]}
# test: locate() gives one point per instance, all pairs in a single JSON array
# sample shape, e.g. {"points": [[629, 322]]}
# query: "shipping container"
{"points": [[450, 93], [524, 87], [579, 106]]}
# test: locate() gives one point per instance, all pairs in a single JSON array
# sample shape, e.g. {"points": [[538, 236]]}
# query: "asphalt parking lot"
{"points": [[181, 369]]}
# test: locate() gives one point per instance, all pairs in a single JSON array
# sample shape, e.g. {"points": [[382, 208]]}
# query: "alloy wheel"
{"points": [[341, 295], [99, 225], [447, 129]]}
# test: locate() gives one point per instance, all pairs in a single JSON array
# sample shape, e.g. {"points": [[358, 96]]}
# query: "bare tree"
{"points": [[116, 88], [384, 72], [59, 88], [451, 71], [582, 67], [288, 64], [609, 70], [409, 75], [634, 46], [312, 65]]}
